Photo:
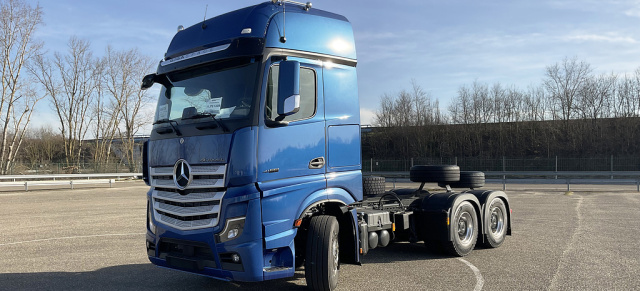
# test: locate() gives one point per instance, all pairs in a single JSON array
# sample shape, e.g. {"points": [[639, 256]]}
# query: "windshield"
{"points": [[223, 91]]}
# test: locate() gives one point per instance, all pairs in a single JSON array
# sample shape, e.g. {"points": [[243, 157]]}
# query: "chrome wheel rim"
{"points": [[336, 254], [465, 228], [497, 222]]}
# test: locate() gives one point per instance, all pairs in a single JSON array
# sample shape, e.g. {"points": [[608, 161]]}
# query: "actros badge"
{"points": [[182, 174]]}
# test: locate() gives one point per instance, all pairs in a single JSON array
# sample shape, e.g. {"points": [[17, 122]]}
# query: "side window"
{"points": [[307, 94]]}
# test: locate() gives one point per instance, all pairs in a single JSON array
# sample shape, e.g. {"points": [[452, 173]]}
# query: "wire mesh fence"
{"points": [[557, 164], [64, 168]]}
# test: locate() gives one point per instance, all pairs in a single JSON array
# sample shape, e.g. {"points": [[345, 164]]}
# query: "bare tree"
{"points": [[18, 23], [43, 146], [460, 107], [123, 72], [563, 82], [535, 104], [513, 104], [596, 95], [626, 102], [383, 116], [70, 80], [497, 96]]}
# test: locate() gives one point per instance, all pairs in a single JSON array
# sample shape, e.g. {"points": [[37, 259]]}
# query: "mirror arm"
{"points": [[276, 123]]}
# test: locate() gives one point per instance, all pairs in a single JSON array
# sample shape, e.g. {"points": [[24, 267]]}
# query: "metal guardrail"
{"points": [[62, 179], [547, 177]]}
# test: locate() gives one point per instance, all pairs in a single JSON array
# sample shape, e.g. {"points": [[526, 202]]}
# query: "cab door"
{"points": [[291, 158]]}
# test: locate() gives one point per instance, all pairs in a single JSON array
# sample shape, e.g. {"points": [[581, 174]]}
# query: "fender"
{"points": [[456, 200], [338, 195], [431, 219], [485, 196]]}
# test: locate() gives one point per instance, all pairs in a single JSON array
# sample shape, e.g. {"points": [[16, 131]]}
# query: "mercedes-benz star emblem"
{"points": [[182, 174]]}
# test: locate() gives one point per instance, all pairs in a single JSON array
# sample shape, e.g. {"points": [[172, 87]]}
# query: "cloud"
{"points": [[634, 12], [601, 38], [367, 116]]}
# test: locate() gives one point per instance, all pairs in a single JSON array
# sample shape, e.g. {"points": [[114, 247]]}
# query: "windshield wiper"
{"points": [[204, 115], [170, 122]]}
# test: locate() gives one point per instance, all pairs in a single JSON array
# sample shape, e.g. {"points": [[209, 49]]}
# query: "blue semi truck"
{"points": [[254, 162]]}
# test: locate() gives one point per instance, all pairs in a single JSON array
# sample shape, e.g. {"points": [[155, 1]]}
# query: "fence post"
{"points": [[26, 186], [371, 166], [611, 167], [504, 182], [71, 183], [411, 162], [556, 167], [568, 185]]}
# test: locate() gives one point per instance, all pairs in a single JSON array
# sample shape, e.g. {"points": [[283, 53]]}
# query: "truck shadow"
{"points": [[401, 251], [136, 277], [150, 277]]}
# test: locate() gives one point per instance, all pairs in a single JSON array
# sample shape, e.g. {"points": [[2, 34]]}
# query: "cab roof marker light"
{"points": [[203, 52], [306, 6], [246, 31]]}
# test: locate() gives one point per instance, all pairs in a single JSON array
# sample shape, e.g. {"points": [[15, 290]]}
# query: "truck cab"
{"points": [[254, 162], [232, 162]]}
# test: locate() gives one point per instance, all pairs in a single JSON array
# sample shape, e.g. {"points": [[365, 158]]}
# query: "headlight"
{"points": [[150, 225], [232, 230]]}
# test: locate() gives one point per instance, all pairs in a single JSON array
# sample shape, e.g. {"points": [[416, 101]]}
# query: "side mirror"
{"points": [[148, 81], [163, 80], [288, 88]]}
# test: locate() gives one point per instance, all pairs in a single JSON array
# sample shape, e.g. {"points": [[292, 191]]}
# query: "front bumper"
{"points": [[241, 259]]}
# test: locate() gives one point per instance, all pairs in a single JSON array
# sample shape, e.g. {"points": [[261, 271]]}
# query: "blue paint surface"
{"points": [[344, 147]]}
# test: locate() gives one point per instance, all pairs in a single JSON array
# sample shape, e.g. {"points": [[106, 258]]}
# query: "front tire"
{"points": [[464, 226], [322, 263], [496, 224]]}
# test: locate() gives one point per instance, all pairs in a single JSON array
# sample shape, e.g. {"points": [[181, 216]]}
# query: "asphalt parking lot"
{"points": [[93, 239]]}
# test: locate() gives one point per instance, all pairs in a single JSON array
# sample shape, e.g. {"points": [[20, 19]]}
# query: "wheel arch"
{"points": [[334, 202]]}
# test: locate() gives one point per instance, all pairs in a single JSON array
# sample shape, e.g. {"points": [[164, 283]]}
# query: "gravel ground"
{"points": [[93, 239]]}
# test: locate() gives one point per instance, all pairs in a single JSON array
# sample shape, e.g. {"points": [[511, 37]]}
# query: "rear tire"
{"points": [[496, 224], [322, 263], [464, 227], [468, 179]]}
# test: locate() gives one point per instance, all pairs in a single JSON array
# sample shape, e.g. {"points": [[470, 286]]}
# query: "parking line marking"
{"points": [[476, 271], [572, 241], [70, 237]]}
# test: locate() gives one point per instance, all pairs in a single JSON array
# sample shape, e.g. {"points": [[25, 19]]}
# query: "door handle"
{"points": [[316, 163]]}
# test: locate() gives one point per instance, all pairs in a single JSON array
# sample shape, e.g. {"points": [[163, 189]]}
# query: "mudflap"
{"points": [[349, 238]]}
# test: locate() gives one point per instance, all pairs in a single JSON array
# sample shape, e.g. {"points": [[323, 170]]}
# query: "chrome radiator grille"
{"points": [[195, 207]]}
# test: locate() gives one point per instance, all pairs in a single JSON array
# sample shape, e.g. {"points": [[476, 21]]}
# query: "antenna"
{"points": [[204, 25], [283, 38], [305, 6]]}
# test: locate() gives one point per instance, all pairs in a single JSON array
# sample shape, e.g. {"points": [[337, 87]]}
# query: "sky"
{"points": [[442, 45]]}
